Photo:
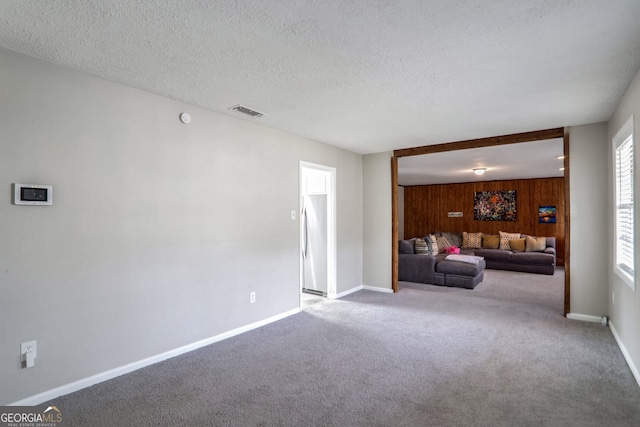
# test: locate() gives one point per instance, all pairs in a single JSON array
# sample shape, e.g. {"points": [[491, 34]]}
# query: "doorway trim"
{"points": [[480, 143], [331, 226]]}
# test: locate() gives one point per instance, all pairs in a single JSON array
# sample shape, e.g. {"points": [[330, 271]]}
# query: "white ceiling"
{"points": [[526, 160], [365, 75]]}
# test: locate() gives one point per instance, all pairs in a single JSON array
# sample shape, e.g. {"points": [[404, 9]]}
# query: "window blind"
{"points": [[623, 145], [624, 206]]}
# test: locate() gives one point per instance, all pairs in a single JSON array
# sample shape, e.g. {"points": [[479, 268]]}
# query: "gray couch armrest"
{"points": [[551, 242], [416, 268]]}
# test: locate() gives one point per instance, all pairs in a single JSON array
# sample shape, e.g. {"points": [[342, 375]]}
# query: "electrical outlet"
{"points": [[252, 297]]}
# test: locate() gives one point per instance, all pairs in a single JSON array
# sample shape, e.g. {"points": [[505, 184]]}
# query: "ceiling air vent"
{"points": [[248, 111]]}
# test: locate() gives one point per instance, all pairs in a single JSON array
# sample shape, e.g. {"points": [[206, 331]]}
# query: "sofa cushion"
{"points": [[432, 244], [535, 244], [532, 258], [490, 241], [471, 240], [406, 246], [517, 245], [443, 244], [420, 247], [494, 254], [455, 239], [419, 269], [472, 252], [505, 237], [460, 268]]}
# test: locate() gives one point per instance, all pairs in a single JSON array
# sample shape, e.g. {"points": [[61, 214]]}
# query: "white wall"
{"points": [[376, 221], [625, 311], [158, 231], [589, 219]]}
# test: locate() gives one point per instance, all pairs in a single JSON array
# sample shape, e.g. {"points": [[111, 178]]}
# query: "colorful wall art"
{"points": [[547, 214], [494, 205]]}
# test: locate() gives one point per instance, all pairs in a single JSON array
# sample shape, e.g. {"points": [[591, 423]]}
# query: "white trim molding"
{"points": [[378, 289], [625, 353], [121, 370], [365, 287], [584, 317], [349, 291]]}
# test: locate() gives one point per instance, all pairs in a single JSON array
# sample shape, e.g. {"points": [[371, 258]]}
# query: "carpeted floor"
{"points": [[499, 355]]}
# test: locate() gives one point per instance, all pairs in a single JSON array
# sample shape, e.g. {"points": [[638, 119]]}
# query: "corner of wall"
{"points": [[376, 223]]}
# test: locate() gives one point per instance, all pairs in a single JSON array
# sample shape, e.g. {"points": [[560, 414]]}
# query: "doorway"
{"points": [[488, 142], [317, 232]]}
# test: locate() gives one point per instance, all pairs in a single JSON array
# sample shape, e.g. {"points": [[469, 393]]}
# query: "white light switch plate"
{"points": [[26, 346]]}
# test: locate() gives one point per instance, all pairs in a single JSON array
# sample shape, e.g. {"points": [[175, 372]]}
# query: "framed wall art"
{"points": [[547, 214], [495, 205]]}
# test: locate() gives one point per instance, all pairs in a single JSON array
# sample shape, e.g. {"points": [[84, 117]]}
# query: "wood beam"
{"points": [[394, 224], [567, 227], [538, 135]]}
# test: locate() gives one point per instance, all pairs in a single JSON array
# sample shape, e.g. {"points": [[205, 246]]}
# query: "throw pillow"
{"points": [[443, 244], [432, 244], [517, 245], [455, 239], [406, 247], [421, 247], [471, 240], [535, 244], [505, 237], [490, 241]]}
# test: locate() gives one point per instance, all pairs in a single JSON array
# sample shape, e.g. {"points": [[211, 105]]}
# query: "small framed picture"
{"points": [[547, 214]]}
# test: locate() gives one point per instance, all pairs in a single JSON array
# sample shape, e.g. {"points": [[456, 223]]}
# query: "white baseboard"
{"points": [[349, 291], [377, 289], [625, 353], [361, 287], [584, 317], [116, 372]]}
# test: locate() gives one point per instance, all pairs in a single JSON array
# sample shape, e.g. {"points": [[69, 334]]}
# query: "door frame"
{"points": [[480, 143], [331, 226]]}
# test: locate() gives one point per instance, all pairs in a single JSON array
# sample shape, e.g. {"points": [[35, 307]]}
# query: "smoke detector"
{"points": [[248, 111]]}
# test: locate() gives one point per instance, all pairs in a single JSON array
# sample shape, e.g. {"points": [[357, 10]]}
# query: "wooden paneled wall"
{"points": [[426, 208]]}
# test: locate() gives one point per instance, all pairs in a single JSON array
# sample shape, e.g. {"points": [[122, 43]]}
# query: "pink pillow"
{"points": [[453, 250]]}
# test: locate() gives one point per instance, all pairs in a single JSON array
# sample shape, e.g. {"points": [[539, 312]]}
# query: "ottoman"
{"points": [[461, 274]]}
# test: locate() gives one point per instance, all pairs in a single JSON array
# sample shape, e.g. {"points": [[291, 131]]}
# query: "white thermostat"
{"points": [[32, 194]]}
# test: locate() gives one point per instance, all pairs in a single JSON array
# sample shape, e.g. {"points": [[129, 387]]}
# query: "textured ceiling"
{"points": [[365, 75], [527, 160]]}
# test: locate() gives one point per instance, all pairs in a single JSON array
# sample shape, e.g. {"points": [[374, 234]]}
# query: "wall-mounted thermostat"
{"points": [[32, 194]]}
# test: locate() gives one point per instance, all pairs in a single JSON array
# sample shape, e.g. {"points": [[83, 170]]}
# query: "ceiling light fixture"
{"points": [[479, 171]]}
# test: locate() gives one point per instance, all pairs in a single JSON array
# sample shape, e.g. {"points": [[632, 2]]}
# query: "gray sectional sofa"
{"points": [[437, 270], [529, 262]]}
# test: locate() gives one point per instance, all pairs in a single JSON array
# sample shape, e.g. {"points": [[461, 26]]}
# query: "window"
{"points": [[624, 209]]}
